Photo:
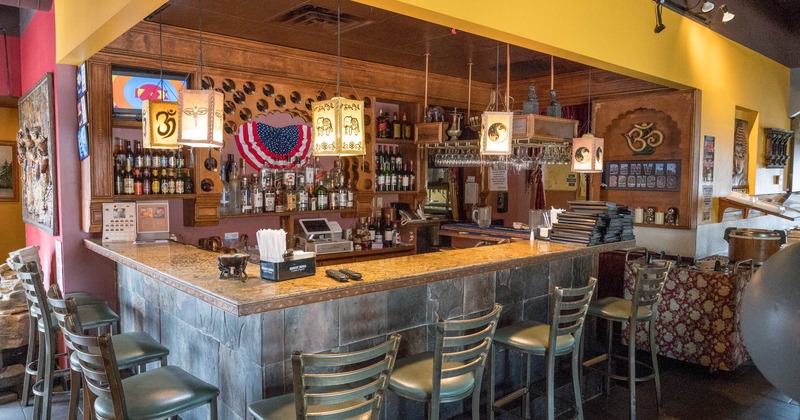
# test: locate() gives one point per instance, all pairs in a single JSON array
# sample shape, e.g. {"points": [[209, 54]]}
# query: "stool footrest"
{"points": [[500, 402], [610, 372]]}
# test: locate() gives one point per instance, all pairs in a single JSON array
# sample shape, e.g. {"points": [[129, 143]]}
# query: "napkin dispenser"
{"points": [[301, 264]]}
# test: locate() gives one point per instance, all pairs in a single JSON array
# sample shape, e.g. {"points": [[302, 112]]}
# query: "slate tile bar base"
{"points": [[248, 357]]}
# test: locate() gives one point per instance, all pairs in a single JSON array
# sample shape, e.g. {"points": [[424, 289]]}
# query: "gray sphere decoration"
{"points": [[770, 319]]}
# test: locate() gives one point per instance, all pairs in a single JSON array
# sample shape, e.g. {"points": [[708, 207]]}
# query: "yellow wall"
{"points": [[84, 27], [12, 233]]}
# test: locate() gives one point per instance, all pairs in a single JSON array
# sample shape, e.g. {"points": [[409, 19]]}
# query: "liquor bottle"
{"points": [[392, 159], [408, 129], [128, 157], [119, 154], [302, 196], [180, 184], [333, 195], [412, 178], [137, 182], [322, 196], [402, 178], [119, 180], [188, 183], [181, 161], [269, 198], [388, 234], [336, 175], [381, 124], [265, 176], [164, 163], [280, 199], [148, 158], [289, 179], [290, 196], [258, 195], [343, 196], [310, 170], [170, 181], [155, 159], [389, 132], [138, 156], [146, 186], [350, 195], [247, 195], [225, 199], [397, 129], [155, 182], [172, 160], [127, 183], [396, 235], [164, 182], [380, 178], [235, 187], [371, 229], [229, 166]]}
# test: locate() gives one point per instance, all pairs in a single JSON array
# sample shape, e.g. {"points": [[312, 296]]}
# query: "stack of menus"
{"points": [[593, 223]]}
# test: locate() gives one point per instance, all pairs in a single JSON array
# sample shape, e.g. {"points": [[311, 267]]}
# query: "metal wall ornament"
{"points": [[200, 113], [643, 138], [36, 152], [160, 124]]}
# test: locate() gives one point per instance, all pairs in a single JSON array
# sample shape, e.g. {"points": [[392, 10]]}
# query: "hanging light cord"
{"points": [[589, 109], [200, 29], [338, 45], [8, 68], [161, 58]]}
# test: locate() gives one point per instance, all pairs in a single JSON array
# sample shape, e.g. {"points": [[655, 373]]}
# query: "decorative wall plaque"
{"points": [[739, 176], [36, 147], [650, 175]]}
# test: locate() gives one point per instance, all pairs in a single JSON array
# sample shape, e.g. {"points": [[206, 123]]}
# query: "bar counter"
{"points": [[240, 335]]}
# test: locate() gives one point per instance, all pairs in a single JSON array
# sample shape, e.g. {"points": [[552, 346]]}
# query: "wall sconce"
{"points": [[338, 127], [587, 154], [200, 118], [160, 124], [496, 133]]}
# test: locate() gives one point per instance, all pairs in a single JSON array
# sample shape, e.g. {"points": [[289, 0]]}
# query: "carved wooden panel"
{"points": [[776, 155]]}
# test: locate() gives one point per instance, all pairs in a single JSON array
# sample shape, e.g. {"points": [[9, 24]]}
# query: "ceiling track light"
{"points": [[707, 6], [726, 15], [659, 23]]}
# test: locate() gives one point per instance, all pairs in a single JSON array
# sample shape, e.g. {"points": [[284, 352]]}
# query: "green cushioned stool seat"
{"points": [[413, 378], [532, 337], [83, 298], [92, 316], [283, 407], [616, 309], [159, 393], [132, 349]]}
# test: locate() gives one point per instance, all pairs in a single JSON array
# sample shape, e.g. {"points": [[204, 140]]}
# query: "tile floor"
{"points": [[690, 392]]}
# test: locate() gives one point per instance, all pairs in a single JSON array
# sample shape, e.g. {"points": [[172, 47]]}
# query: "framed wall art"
{"points": [[36, 145], [9, 171]]}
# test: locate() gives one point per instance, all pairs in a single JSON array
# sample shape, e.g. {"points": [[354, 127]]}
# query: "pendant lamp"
{"points": [[200, 111], [338, 122], [587, 151], [160, 116], [496, 126]]}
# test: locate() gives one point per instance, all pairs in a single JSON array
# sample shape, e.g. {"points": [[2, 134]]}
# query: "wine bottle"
{"points": [[408, 129], [397, 129], [403, 179], [119, 181], [388, 234], [372, 229], [381, 124], [412, 178]]}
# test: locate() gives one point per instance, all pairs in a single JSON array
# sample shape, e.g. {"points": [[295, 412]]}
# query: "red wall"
{"points": [[12, 49], [81, 269]]}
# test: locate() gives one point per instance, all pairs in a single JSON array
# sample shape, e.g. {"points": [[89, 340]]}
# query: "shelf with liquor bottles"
{"points": [[150, 174], [396, 156]]}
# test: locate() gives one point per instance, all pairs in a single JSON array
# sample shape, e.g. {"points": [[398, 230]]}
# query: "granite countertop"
{"points": [[194, 271]]}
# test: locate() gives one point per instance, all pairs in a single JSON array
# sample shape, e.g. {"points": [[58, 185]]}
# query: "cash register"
{"points": [[322, 236]]}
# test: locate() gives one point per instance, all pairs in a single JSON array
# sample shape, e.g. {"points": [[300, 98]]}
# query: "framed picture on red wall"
{"points": [[9, 171]]}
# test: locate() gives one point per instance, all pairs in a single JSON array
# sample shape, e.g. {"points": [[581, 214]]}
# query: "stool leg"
{"points": [[490, 403], [527, 397], [610, 328], [48, 375], [654, 359], [576, 376], [26, 384], [74, 389], [551, 373], [37, 399], [632, 365]]}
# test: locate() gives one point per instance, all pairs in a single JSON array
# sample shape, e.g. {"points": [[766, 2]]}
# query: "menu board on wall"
{"points": [[651, 175]]}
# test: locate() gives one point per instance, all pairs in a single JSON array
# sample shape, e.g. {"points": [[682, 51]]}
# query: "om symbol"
{"points": [[644, 138], [166, 128]]}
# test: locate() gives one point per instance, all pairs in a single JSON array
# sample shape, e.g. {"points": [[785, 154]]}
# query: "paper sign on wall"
{"points": [[498, 180]]}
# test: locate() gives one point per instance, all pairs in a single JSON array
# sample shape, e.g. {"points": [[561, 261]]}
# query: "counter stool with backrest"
{"points": [[650, 279], [568, 309], [102, 315], [133, 349], [454, 370], [334, 386], [156, 394]]}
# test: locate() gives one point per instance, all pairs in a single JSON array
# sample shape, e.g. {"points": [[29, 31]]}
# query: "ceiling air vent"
{"points": [[319, 18]]}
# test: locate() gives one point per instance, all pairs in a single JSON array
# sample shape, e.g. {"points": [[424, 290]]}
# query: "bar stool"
{"points": [[96, 312], [43, 369], [133, 349], [347, 389], [567, 314], [454, 370], [650, 279], [159, 393]]}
